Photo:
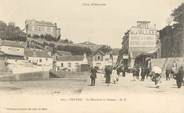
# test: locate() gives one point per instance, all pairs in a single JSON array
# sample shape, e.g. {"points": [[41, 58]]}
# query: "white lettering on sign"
{"points": [[143, 31], [141, 40]]}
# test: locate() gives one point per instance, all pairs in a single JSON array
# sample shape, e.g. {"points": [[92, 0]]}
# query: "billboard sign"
{"points": [[143, 38]]}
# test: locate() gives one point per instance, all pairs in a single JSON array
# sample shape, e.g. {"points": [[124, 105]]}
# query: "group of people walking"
{"points": [[176, 73], [112, 74], [146, 73]]}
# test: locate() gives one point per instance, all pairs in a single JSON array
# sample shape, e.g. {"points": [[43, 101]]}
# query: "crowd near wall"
{"points": [[164, 62]]}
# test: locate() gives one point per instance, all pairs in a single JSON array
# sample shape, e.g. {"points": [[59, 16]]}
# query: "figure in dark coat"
{"points": [[135, 73], [179, 77], [108, 72], [124, 69], [143, 74], [93, 76], [168, 72], [118, 71]]}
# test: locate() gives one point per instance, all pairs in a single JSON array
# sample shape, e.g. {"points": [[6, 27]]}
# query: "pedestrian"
{"points": [[123, 71], [149, 69], [135, 73], [108, 72], [115, 77], [156, 78], [179, 77], [143, 74], [140, 71], [93, 76], [174, 70], [167, 73], [147, 72], [118, 71]]}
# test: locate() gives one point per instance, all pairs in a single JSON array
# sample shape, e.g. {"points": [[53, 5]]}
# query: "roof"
{"points": [[1, 53], [70, 58], [36, 53], [40, 22], [13, 43], [64, 53], [87, 43], [138, 52], [99, 51], [115, 51]]}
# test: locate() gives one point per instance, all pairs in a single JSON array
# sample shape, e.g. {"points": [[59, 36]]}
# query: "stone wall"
{"points": [[33, 76], [44, 75]]}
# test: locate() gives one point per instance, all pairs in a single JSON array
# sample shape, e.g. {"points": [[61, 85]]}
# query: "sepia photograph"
{"points": [[91, 56]]}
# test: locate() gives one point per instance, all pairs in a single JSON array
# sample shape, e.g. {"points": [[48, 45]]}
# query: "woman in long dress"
{"points": [[115, 76]]}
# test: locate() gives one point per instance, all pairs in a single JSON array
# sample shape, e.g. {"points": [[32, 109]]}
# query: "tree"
{"points": [[3, 26], [105, 49], [75, 50], [172, 36], [178, 14], [11, 32], [36, 36]]}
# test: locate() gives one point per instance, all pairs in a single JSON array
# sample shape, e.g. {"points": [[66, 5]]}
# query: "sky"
{"points": [[101, 24]]}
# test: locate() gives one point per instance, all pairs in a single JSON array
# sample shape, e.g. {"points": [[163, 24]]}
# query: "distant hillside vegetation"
{"points": [[11, 32]]}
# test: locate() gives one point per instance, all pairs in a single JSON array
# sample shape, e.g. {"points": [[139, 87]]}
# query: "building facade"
{"points": [[34, 27], [115, 54], [12, 49], [101, 59], [70, 63], [140, 39], [39, 58]]}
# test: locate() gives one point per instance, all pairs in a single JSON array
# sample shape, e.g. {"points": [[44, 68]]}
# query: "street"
{"points": [[127, 85], [127, 96]]}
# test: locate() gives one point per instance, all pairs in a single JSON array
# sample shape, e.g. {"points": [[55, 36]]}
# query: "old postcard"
{"points": [[91, 56]]}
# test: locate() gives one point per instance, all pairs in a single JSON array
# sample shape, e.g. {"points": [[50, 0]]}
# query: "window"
{"points": [[40, 60], [98, 57], [61, 64]]}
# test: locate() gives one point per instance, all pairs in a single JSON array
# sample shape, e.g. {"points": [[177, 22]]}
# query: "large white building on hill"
{"points": [[34, 27]]}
